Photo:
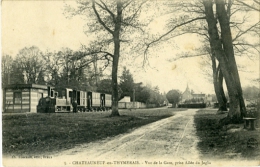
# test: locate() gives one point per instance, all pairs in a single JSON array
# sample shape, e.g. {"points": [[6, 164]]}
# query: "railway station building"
{"points": [[19, 98]]}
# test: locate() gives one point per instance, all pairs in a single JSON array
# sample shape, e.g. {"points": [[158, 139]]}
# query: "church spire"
{"points": [[187, 88]]}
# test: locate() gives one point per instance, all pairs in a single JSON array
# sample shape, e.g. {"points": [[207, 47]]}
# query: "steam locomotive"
{"points": [[61, 100]]}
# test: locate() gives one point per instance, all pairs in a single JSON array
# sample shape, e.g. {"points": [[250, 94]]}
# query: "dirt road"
{"points": [[170, 138]]}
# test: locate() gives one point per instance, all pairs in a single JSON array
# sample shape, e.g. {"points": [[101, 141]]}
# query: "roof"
{"points": [[125, 99], [19, 86], [199, 95]]}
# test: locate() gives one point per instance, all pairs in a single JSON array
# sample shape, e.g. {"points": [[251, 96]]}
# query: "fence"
{"points": [[131, 105]]}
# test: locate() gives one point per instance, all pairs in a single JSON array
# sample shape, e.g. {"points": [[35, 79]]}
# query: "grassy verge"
{"points": [[40, 133], [225, 142]]}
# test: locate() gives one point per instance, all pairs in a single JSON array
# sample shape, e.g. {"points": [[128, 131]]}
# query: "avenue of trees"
{"points": [[118, 27], [213, 21]]}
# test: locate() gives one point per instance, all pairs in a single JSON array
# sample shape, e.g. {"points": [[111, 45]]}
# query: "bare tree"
{"points": [[7, 62], [53, 64], [31, 62], [223, 50], [221, 42], [112, 22], [253, 5]]}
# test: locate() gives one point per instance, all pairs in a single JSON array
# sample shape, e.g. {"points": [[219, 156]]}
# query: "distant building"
{"points": [[198, 96], [188, 95], [125, 99], [209, 98]]}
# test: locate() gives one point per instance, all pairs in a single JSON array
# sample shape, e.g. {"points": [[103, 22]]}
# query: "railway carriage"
{"points": [[82, 100], [94, 102], [108, 101], [43, 98], [86, 101]]}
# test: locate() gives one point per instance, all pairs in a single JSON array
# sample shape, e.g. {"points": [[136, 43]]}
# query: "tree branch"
{"points": [[106, 9], [99, 19], [164, 35], [251, 7], [244, 32]]}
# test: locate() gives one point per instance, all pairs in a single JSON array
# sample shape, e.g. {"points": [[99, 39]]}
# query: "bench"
{"points": [[251, 120]]}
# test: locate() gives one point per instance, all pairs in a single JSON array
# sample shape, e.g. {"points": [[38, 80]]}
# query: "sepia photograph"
{"points": [[154, 83]]}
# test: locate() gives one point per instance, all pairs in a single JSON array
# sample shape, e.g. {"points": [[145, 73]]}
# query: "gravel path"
{"points": [[173, 137]]}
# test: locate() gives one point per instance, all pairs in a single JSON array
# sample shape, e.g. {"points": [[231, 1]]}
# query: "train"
{"points": [[62, 99]]}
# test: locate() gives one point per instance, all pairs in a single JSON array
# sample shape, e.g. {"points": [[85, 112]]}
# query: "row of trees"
{"points": [[138, 92], [64, 68]]}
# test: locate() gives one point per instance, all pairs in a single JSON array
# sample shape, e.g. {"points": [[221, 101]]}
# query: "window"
{"points": [[70, 93], [52, 92], [63, 93], [17, 97]]}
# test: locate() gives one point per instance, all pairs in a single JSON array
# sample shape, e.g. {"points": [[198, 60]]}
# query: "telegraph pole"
{"points": [[134, 96]]}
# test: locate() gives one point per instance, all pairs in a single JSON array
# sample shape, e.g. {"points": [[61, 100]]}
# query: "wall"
{"points": [[131, 105], [36, 94]]}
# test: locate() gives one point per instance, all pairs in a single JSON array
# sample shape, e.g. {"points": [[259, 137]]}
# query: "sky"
{"points": [[43, 24]]}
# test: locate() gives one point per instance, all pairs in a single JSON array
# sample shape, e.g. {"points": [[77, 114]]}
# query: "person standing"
{"points": [[75, 106]]}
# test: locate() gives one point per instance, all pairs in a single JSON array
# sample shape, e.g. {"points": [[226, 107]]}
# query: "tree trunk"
{"points": [[220, 53], [116, 38], [220, 78], [218, 85], [229, 51], [115, 87], [95, 69]]}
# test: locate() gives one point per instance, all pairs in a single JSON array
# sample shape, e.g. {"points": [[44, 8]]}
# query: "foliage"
{"points": [[173, 96], [145, 94], [31, 63], [65, 68], [105, 86], [251, 92], [126, 83], [7, 69]]}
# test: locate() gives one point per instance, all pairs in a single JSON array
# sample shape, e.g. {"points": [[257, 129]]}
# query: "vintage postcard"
{"points": [[130, 83]]}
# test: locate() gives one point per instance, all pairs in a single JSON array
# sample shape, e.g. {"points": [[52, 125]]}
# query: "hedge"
{"points": [[196, 105]]}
